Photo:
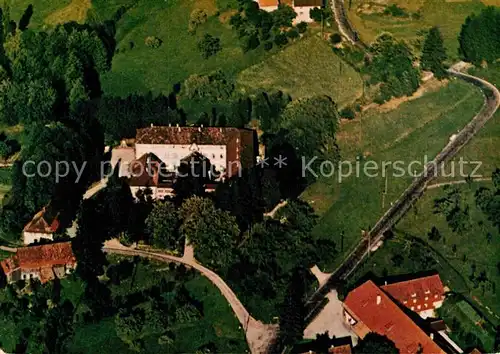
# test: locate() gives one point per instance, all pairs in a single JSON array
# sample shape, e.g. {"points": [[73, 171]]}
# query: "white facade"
{"points": [[32, 237], [303, 14], [172, 155]]}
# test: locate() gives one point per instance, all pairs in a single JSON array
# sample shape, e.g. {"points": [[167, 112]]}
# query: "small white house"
{"points": [[43, 226], [301, 7]]}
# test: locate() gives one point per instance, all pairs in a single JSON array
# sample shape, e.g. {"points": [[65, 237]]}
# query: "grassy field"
{"points": [[143, 69], [306, 68], [484, 146], [413, 130], [448, 15]]}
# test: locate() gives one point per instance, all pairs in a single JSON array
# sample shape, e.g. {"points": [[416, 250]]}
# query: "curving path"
{"points": [[258, 335], [411, 194]]}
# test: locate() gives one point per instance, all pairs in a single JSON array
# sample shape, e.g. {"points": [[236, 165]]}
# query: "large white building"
{"points": [[160, 151]]}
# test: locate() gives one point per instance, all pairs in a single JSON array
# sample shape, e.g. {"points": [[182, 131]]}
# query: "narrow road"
{"points": [[451, 183], [411, 195], [344, 25], [258, 335]]}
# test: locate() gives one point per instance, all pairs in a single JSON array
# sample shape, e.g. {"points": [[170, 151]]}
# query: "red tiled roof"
{"points": [[341, 349], [40, 257], [370, 305], [307, 3], [417, 294], [43, 222], [267, 3]]}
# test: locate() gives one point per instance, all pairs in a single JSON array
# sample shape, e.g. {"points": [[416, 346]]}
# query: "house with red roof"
{"points": [[369, 309], [421, 295], [301, 7], [43, 226], [44, 262]]}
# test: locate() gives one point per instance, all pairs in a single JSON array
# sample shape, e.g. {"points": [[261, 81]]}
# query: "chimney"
{"points": [[432, 336], [169, 124], [152, 125], [220, 130], [199, 129], [379, 299], [386, 282], [178, 128]]}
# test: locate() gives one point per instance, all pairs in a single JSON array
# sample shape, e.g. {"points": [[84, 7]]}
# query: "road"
{"points": [[411, 194], [344, 25], [258, 335]]}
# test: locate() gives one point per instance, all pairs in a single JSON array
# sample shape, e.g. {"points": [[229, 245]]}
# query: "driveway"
{"points": [[331, 320]]}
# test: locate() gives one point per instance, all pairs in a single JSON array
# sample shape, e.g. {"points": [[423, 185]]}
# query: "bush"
{"points": [[209, 45], [293, 34], [347, 113], [280, 39], [335, 38], [197, 17], [302, 27], [395, 10], [268, 45], [152, 42], [5, 150]]}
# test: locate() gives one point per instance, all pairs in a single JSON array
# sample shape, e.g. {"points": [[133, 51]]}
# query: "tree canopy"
{"points": [[434, 53], [480, 36]]}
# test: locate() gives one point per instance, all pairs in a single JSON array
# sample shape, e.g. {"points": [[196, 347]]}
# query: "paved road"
{"points": [[258, 335], [344, 25], [411, 195], [462, 181]]}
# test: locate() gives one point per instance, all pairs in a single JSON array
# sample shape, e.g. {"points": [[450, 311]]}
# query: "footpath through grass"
{"points": [[409, 133], [448, 15]]}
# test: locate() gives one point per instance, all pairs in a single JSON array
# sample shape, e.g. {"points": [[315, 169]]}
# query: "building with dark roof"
{"points": [[43, 226], [43, 262], [369, 309]]}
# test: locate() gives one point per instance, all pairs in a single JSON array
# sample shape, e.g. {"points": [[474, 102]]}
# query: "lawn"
{"points": [[448, 15], [415, 129], [306, 68]]}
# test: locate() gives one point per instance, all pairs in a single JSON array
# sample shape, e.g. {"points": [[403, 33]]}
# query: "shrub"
{"points": [[293, 34], [335, 38], [347, 113], [152, 42], [395, 10], [268, 45], [197, 17], [280, 39], [5, 150], [209, 45], [302, 27]]}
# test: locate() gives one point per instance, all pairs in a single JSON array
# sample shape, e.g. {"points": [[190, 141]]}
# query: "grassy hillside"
{"points": [[415, 129], [306, 68], [448, 15]]}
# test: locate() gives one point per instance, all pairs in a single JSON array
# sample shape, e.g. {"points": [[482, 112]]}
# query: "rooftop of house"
{"points": [[36, 257], [291, 3], [377, 311], [417, 294], [189, 135], [341, 349], [45, 221]]}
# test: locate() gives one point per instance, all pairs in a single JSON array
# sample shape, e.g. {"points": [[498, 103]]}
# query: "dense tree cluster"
{"points": [[256, 26], [434, 53], [454, 208], [393, 67], [45, 74], [488, 200], [375, 343], [480, 36]]}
